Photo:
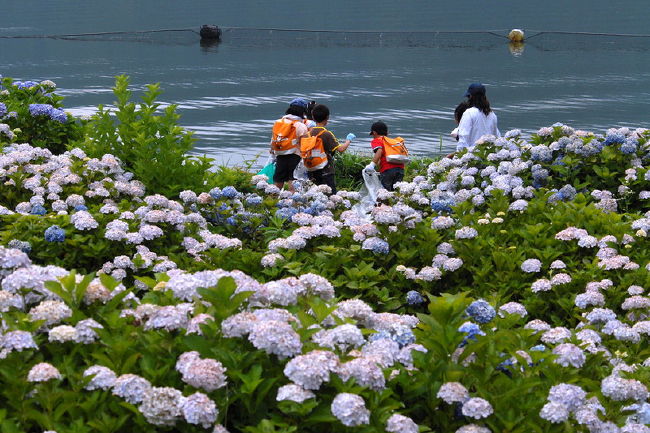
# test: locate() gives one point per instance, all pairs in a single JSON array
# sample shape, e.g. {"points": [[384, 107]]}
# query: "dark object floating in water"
{"points": [[210, 32]]}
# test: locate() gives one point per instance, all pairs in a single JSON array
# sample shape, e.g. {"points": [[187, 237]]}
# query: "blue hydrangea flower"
{"points": [[298, 197], [231, 221], [481, 311], [58, 115], [38, 210], [381, 335], [615, 138], [254, 200], [472, 330], [442, 205], [505, 366], [23, 246], [215, 193], [538, 348], [630, 146], [286, 212], [541, 153], [376, 245], [566, 193], [3, 110], [25, 84], [40, 109], [643, 413], [563, 142], [54, 234], [414, 297], [80, 207], [403, 336], [540, 175], [229, 192], [559, 160]]}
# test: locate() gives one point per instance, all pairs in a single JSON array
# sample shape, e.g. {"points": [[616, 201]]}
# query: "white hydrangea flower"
{"points": [[477, 408], [350, 409]]}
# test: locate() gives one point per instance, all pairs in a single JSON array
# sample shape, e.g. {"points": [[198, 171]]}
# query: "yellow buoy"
{"points": [[516, 35]]}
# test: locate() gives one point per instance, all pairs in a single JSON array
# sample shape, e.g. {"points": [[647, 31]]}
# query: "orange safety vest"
{"points": [[395, 150], [313, 152], [283, 141]]}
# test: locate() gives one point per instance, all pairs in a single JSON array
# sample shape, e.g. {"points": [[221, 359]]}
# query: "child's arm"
{"points": [[346, 143], [370, 168], [377, 156], [343, 147]]}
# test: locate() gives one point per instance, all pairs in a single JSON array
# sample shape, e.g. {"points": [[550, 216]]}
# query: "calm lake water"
{"points": [[400, 72]]}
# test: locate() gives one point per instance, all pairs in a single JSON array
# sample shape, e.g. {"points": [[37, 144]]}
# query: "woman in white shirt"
{"points": [[478, 120]]}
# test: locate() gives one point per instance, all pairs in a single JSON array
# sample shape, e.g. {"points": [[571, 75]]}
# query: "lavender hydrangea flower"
{"points": [[376, 245], [401, 424], [102, 377], [477, 408], [131, 388], [531, 266]]}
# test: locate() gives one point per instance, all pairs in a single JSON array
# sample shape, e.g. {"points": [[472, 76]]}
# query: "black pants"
{"points": [[390, 177], [284, 167], [319, 178]]}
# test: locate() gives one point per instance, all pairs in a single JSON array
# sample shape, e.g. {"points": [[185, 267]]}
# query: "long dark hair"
{"points": [[460, 109], [296, 110], [480, 101]]}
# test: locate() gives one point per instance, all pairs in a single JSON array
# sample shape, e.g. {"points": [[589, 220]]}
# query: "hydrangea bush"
{"points": [[505, 289], [32, 112]]}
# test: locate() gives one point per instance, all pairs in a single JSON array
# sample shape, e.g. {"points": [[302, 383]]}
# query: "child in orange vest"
{"points": [[325, 175], [285, 142], [389, 172]]}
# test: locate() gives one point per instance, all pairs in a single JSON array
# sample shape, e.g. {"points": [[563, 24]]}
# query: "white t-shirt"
{"points": [[473, 125]]}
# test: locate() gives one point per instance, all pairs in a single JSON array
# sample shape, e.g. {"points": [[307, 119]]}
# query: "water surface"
{"points": [[230, 93]]}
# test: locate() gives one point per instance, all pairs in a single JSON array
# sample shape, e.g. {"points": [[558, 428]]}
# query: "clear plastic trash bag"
{"points": [[368, 192], [300, 172]]}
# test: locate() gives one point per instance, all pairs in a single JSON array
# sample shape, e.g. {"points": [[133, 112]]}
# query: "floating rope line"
{"points": [[500, 33], [420, 32], [79, 35], [559, 32]]}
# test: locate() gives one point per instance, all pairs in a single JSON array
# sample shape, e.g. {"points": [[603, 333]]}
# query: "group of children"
{"points": [[301, 135]]}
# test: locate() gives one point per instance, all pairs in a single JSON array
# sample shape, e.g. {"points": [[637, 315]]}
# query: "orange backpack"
{"points": [[313, 152], [283, 141], [395, 150]]}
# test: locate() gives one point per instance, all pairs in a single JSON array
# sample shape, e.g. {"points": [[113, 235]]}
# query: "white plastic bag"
{"points": [[368, 192], [300, 172]]}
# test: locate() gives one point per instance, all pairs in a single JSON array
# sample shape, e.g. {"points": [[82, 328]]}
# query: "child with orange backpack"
{"points": [[285, 141], [390, 154], [317, 149]]}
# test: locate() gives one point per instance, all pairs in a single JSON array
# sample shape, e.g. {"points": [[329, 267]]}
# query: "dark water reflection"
{"points": [[230, 92]]}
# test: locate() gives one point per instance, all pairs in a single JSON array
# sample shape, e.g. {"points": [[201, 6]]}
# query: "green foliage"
{"points": [[348, 168], [149, 142], [238, 176]]}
